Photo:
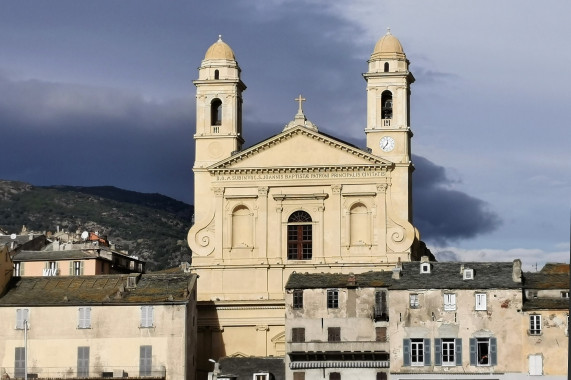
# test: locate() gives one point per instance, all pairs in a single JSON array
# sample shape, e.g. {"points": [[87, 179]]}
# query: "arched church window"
{"points": [[299, 236], [216, 112], [387, 104], [386, 67], [216, 74], [242, 227], [359, 224]]}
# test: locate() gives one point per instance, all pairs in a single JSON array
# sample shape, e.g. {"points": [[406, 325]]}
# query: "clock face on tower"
{"points": [[387, 143]]}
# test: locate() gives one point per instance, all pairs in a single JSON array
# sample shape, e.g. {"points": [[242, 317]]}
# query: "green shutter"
{"points": [[406, 352], [71, 268], [458, 349], [22, 269], [437, 351], [493, 351], [427, 352], [81, 268], [473, 352]]}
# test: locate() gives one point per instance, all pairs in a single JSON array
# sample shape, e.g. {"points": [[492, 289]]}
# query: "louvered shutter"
{"points": [[473, 352], [427, 352], [437, 351], [494, 351], [458, 349], [406, 352]]}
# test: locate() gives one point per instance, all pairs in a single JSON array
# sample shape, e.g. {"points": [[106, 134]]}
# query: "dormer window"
{"points": [[425, 268], [131, 282], [468, 274]]}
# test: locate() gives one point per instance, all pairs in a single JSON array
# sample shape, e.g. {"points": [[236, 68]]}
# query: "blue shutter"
{"points": [[406, 352], [427, 352], [458, 349], [473, 353], [494, 351], [437, 351]]}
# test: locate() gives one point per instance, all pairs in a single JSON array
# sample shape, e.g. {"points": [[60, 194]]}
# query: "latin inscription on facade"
{"points": [[295, 176]]}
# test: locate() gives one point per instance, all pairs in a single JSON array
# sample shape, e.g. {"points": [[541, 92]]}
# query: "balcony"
{"points": [[354, 347], [95, 372]]}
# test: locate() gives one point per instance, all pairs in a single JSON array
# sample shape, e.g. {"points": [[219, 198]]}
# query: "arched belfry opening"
{"points": [[216, 74], [386, 68], [387, 105], [216, 112]]}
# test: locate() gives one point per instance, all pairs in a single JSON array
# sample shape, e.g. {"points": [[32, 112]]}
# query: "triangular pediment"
{"points": [[300, 148]]}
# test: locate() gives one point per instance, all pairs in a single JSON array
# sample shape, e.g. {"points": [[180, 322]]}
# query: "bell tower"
{"points": [[388, 116], [218, 106]]}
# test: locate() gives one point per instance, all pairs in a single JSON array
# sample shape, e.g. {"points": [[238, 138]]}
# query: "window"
{"points": [[334, 376], [299, 376], [381, 376], [82, 361], [564, 294], [425, 268], [298, 335], [449, 301], [19, 362], [298, 299], [261, 376], [535, 324], [216, 74], [414, 302], [387, 105], [84, 318], [22, 316], [481, 301], [381, 306], [531, 294], [359, 225], [416, 352], [51, 268], [334, 334], [216, 112], [468, 274], [145, 360], [242, 227], [299, 236], [386, 67], [332, 299], [448, 352], [18, 269], [381, 334], [146, 316], [76, 268], [483, 351]]}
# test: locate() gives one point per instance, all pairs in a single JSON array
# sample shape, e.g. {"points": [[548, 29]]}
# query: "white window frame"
{"points": [[425, 268], [450, 344], [534, 324], [21, 316], [147, 317], [479, 343], [449, 301], [417, 345], [565, 294], [414, 300], [84, 318], [261, 376], [481, 301], [468, 274], [17, 269]]}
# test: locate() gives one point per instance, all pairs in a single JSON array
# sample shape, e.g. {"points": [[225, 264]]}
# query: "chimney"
{"points": [[397, 269], [351, 280], [424, 259], [516, 271]]}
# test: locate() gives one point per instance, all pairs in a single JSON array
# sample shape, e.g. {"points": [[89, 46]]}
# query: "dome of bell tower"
{"points": [[388, 47], [220, 50]]}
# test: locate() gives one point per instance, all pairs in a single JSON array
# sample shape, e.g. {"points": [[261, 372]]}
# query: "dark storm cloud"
{"points": [[443, 215], [54, 133]]}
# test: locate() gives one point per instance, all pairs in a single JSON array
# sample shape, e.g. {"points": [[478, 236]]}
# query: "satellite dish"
{"points": [[13, 236], [84, 235]]}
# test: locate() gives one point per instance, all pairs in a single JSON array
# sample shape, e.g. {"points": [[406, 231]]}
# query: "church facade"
{"points": [[299, 201]]}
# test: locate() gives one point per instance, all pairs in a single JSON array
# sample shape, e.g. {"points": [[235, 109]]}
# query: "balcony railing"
{"points": [[93, 372], [352, 346]]}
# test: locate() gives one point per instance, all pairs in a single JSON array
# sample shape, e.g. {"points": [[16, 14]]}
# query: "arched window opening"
{"points": [[386, 67], [387, 104], [359, 221], [299, 236], [242, 227], [216, 74], [216, 112]]}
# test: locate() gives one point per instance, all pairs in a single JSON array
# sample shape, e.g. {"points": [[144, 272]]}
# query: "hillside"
{"points": [[151, 226]]}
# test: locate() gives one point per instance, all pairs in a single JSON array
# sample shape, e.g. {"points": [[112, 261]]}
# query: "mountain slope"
{"points": [[151, 226]]}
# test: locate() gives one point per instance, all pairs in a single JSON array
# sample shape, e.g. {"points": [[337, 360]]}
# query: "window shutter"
{"points": [[493, 351], [458, 349], [381, 334], [473, 353], [81, 268], [427, 352], [383, 303], [71, 268], [406, 352], [19, 319], [437, 351], [22, 269]]}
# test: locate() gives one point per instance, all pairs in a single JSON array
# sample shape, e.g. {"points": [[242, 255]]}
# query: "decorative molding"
{"points": [[244, 196], [249, 307], [263, 191], [359, 194], [218, 191], [382, 188], [296, 197], [336, 188]]}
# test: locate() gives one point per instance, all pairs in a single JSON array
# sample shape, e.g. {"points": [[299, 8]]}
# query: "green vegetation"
{"points": [[150, 226]]}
